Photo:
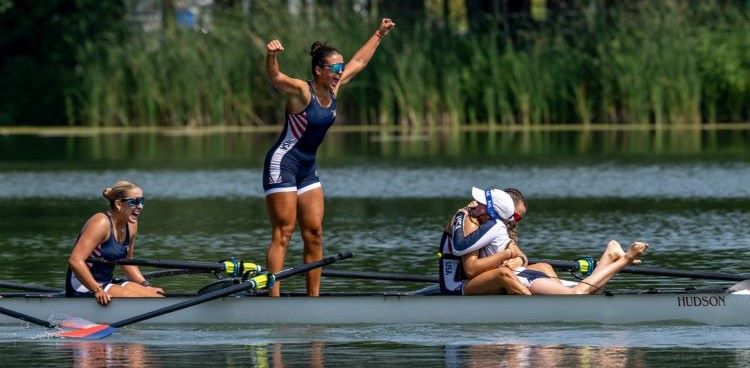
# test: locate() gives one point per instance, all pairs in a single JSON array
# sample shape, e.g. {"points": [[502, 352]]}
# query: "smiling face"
{"points": [[329, 74], [131, 206]]}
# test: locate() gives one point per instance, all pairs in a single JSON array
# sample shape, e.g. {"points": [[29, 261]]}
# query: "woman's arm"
{"points": [[133, 273], [95, 232], [469, 236], [289, 86], [363, 56], [474, 265]]}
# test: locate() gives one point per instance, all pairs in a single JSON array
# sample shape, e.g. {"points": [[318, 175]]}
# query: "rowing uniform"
{"points": [[290, 163], [490, 238], [110, 250]]}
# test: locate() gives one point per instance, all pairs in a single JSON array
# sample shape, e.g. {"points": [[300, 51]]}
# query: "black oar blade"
{"points": [[106, 330]]}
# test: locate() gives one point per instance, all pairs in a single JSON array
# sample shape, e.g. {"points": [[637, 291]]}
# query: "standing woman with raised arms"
{"points": [[290, 178]]}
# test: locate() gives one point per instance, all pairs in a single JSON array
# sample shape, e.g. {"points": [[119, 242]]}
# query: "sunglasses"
{"points": [[134, 202], [336, 68]]}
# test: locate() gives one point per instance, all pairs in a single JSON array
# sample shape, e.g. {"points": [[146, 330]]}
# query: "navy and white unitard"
{"points": [[110, 250], [290, 163]]}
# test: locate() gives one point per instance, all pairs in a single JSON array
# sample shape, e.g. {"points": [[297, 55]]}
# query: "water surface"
{"points": [[387, 200]]}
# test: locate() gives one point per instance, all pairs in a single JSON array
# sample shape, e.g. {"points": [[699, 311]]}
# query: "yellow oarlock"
{"points": [[263, 281], [233, 267]]}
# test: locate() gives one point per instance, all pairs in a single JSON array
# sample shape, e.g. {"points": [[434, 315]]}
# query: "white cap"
{"points": [[502, 203]]}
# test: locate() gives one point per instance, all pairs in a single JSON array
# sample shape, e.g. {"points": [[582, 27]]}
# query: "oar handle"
{"points": [[656, 271], [230, 290]]}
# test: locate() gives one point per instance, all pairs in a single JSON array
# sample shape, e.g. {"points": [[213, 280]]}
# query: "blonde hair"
{"points": [[118, 191]]}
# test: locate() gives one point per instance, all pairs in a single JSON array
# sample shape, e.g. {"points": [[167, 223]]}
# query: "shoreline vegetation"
{"points": [[593, 64]]}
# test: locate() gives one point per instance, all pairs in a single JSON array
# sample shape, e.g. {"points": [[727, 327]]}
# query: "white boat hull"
{"points": [[713, 309]]}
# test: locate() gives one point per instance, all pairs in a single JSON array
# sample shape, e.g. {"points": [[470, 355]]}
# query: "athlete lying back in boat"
{"points": [[480, 254]]}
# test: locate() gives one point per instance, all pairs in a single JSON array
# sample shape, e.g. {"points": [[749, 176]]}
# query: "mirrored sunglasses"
{"points": [[336, 68], [133, 202]]}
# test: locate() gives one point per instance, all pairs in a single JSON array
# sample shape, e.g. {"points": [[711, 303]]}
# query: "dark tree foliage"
{"points": [[39, 45]]}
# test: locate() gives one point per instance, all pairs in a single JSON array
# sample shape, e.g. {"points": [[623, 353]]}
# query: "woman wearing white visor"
{"points": [[489, 253]]}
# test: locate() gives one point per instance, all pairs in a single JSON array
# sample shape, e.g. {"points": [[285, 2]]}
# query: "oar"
{"points": [[257, 282], [232, 267], [656, 271], [27, 318], [167, 273], [26, 287], [379, 276]]}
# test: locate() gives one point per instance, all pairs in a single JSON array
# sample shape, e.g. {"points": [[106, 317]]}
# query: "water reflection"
{"points": [[245, 149], [519, 355], [94, 354]]}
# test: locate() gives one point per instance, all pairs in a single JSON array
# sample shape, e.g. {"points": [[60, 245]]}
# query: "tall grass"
{"points": [[663, 63]]}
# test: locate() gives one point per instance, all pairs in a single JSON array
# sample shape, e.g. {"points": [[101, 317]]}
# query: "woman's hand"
{"points": [[386, 25], [102, 297], [513, 263], [274, 47]]}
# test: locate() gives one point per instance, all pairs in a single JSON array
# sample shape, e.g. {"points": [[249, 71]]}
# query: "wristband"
{"points": [[97, 290], [380, 36], [145, 283]]}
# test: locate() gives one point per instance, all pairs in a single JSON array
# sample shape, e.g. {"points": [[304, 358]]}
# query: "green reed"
{"points": [[663, 63]]}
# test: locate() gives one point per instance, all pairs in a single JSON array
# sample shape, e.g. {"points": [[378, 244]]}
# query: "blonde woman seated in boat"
{"points": [[109, 235], [490, 254]]}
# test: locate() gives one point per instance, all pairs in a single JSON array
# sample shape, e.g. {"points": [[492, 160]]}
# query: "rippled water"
{"points": [[571, 181], [695, 213]]}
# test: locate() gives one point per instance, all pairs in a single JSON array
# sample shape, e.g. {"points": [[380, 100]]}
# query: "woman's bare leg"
{"points": [[282, 211], [603, 273], [597, 280], [310, 209], [547, 269], [132, 290], [495, 281]]}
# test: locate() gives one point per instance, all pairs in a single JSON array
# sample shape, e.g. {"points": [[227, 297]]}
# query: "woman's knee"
{"points": [[283, 234], [312, 234]]}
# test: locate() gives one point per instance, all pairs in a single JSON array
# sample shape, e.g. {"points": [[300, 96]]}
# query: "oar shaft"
{"points": [[26, 287], [27, 318], [379, 276], [656, 271], [228, 291], [165, 263]]}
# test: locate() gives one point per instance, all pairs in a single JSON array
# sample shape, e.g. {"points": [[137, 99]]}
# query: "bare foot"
{"points": [[614, 251], [635, 251]]}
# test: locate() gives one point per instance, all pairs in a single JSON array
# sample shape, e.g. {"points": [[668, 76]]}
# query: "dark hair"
{"points": [[318, 52], [512, 226], [516, 195]]}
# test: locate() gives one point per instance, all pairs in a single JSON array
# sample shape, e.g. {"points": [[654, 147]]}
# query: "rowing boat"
{"points": [[713, 308]]}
